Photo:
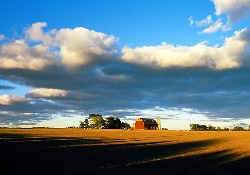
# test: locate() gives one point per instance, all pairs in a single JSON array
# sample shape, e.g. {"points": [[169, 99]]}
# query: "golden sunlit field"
{"points": [[79, 151]]}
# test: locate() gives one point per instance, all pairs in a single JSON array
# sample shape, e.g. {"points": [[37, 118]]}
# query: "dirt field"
{"points": [[78, 151]]}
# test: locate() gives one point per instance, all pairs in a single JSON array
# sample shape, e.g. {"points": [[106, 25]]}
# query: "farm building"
{"points": [[145, 123]]}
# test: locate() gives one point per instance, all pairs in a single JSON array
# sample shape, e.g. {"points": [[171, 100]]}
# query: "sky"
{"points": [[182, 61]]}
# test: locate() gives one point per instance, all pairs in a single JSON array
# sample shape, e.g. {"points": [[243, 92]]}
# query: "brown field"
{"points": [[78, 151]]}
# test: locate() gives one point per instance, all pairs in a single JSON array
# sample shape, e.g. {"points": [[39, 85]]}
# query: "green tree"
{"points": [[197, 127], [211, 128], [110, 123], [226, 129], [218, 128], [125, 125], [96, 121], [81, 124], [194, 127], [115, 123], [238, 128], [84, 124], [118, 123], [203, 128]]}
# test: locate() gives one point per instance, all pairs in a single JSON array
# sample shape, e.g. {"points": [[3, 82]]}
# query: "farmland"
{"points": [[79, 151]]}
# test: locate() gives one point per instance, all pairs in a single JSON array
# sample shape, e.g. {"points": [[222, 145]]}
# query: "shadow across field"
{"points": [[24, 154]]}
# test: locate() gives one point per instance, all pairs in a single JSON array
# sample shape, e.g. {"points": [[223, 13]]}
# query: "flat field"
{"points": [[79, 151]]}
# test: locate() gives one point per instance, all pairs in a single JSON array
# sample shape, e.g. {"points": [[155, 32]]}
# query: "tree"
{"points": [[125, 125], [115, 123], [197, 127], [84, 124], [238, 128], [118, 123], [226, 129], [110, 123], [81, 124], [218, 128], [96, 121], [211, 128], [194, 127], [203, 128]]}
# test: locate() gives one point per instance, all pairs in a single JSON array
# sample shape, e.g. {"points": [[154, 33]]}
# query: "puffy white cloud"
{"points": [[46, 93], [211, 26], [35, 33], [216, 26], [12, 99], [201, 23], [19, 55], [76, 47], [167, 55], [81, 46], [234, 9]]}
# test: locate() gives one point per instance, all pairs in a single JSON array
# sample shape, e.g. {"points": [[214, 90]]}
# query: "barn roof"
{"points": [[148, 121]]}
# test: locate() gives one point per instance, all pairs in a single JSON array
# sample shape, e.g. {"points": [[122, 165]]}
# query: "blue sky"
{"points": [[184, 61]]}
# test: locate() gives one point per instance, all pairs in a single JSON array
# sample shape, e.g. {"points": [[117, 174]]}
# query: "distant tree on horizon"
{"points": [[212, 128], [115, 123], [126, 125], [84, 124], [110, 123], [198, 127], [238, 128], [98, 122]]}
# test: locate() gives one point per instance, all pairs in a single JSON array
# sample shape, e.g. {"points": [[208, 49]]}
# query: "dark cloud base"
{"points": [[219, 94]]}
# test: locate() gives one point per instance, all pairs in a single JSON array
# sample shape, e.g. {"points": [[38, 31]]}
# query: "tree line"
{"points": [[96, 121], [198, 127]]}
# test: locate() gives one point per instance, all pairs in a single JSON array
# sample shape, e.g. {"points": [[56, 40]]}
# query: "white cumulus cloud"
{"points": [[167, 55], [201, 23], [80, 46], [7, 100], [46, 93], [234, 9], [19, 55], [72, 48], [216, 26], [35, 33]]}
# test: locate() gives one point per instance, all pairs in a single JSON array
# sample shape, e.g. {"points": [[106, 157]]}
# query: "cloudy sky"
{"points": [[183, 61]]}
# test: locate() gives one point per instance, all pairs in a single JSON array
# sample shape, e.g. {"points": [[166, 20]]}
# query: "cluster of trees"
{"points": [[96, 121], [197, 127]]}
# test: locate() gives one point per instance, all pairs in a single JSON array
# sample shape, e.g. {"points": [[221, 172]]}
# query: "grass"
{"points": [[78, 151]]}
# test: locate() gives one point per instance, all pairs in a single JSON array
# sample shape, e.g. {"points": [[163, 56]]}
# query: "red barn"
{"points": [[146, 123]]}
